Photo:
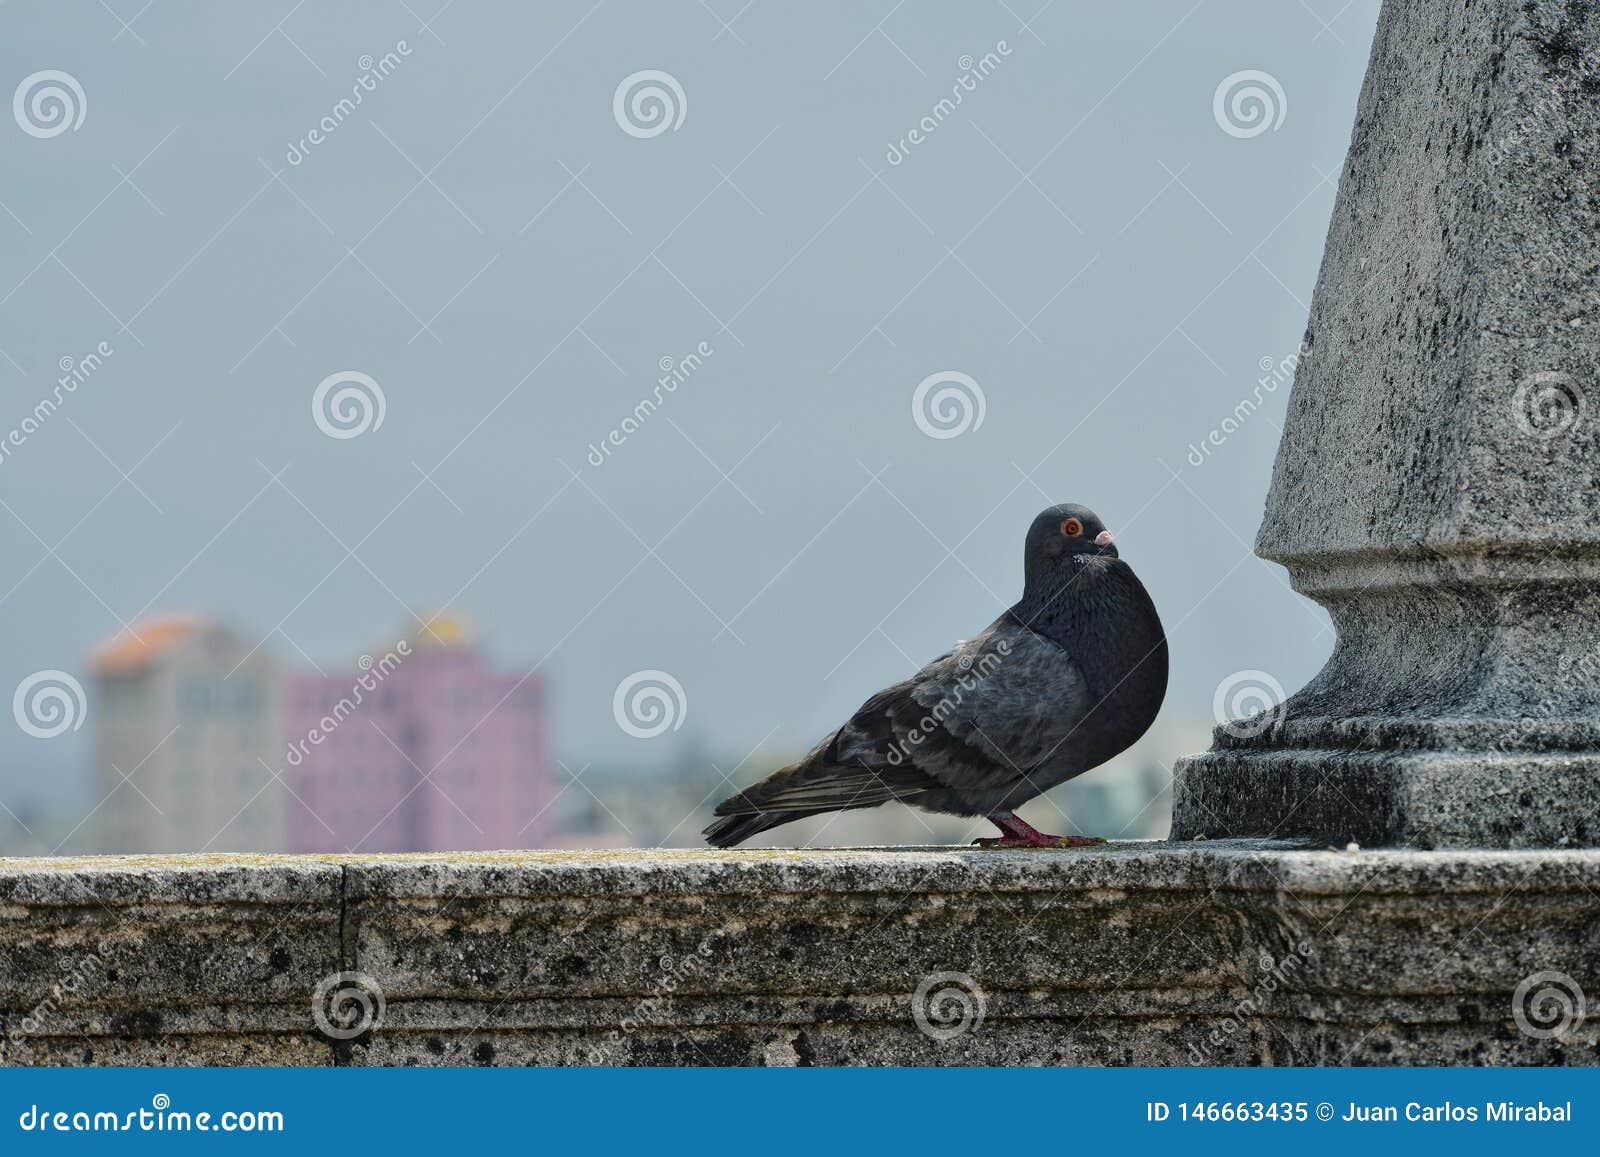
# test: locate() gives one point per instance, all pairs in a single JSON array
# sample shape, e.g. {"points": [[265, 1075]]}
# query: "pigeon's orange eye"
{"points": [[1072, 528]]}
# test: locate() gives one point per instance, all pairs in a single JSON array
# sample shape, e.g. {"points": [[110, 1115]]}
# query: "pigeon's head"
{"points": [[1067, 534]]}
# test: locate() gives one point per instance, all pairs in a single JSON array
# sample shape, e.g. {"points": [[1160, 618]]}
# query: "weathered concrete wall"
{"points": [[1144, 953]]}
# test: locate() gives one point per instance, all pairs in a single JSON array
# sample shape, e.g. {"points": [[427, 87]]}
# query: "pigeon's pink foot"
{"points": [[1020, 834]]}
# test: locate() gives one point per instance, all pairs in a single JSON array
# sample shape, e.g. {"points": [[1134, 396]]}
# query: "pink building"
{"points": [[423, 748]]}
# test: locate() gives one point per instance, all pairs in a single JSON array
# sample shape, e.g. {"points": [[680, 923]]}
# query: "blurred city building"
{"points": [[187, 730], [626, 805], [423, 748]]}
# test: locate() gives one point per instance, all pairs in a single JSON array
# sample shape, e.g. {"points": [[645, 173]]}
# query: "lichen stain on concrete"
{"points": [[780, 1052]]}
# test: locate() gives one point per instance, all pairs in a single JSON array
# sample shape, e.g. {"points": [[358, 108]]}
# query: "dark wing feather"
{"points": [[997, 707], [817, 784]]}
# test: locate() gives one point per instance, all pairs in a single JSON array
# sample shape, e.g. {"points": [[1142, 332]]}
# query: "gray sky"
{"points": [[1079, 236]]}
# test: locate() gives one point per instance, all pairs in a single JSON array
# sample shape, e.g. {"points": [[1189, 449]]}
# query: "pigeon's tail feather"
{"points": [[811, 787], [731, 830]]}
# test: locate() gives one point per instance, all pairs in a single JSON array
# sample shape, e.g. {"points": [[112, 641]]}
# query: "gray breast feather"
{"points": [[996, 708]]}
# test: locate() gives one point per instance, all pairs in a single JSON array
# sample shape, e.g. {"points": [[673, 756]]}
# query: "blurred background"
{"points": [[429, 425]]}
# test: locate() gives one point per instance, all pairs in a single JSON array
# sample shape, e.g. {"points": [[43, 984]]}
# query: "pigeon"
{"points": [[1068, 677]]}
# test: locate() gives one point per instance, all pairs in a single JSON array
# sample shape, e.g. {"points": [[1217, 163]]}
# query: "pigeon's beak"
{"points": [[1103, 538]]}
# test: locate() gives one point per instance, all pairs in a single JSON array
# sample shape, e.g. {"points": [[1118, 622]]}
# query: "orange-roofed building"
{"points": [[187, 720]]}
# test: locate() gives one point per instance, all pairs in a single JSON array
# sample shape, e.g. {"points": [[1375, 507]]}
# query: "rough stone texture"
{"points": [[1437, 485], [1218, 952]]}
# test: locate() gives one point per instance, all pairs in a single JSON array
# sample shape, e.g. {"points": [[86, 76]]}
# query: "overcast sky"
{"points": [[510, 259]]}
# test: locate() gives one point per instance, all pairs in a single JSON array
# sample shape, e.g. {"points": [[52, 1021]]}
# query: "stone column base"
{"points": [[1422, 799]]}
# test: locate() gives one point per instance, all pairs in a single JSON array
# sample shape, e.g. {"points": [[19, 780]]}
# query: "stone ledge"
{"points": [[1224, 952], [1426, 799]]}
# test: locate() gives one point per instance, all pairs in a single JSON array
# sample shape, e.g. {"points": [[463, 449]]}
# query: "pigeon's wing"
{"points": [[983, 716], [980, 719]]}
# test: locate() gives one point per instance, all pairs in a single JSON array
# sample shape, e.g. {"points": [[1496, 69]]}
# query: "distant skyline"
{"points": [[335, 362]]}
